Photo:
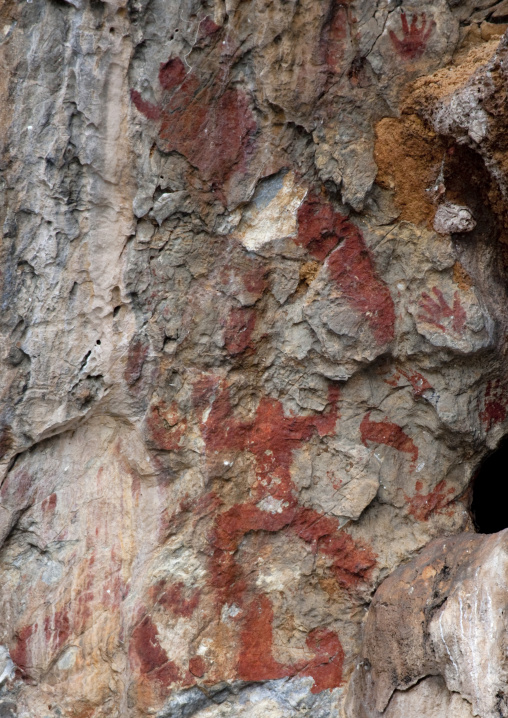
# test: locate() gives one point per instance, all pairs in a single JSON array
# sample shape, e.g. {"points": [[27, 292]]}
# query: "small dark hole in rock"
{"points": [[98, 341], [489, 506]]}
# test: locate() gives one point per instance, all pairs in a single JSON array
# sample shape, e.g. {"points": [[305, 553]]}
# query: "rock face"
{"points": [[453, 599], [254, 324]]}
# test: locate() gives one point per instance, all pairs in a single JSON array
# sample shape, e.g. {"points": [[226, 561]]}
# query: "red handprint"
{"points": [[415, 39], [434, 310], [210, 123]]}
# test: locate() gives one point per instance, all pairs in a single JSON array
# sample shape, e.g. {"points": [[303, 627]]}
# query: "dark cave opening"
{"points": [[489, 505]]}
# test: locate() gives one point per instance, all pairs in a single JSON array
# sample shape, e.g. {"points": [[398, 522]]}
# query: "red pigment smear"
{"points": [[414, 38], [57, 628], [238, 332], [211, 126], [172, 74], [434, 310], [333, 37], [326, 667], [17, 489], [197, 666], [82, 608], [138, 351], [146, 651], [20, 651], [352, 562], [49, 504], [246, 271], [6, 440], [207, 27], [418, 382], [351, 266], [319, 227], [494, 406], [384, 432], [165, 426], [254, 280], [421, 506], [173, 598]]}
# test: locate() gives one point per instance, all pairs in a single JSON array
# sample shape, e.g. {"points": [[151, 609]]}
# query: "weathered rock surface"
{"points": [[243, 377], [453, 600]]}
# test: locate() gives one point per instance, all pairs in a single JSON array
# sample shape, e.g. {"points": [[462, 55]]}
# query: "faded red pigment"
{"points": [[197, 666], [414, 39], [57, 628], [334, 36], [422, 506], [207, 27], [494, 404], [238, 331], [165, 426], [211, 124], [146, 651], [418, 382], [173, 598], [351, 265], [389, 434], [136, 357], [20, 651], [246, 271], [271, 437], [49, 504], [435, 310]]}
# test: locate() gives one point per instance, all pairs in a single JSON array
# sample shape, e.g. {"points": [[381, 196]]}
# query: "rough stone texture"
{"points": [[453, 599], [243, 378]]}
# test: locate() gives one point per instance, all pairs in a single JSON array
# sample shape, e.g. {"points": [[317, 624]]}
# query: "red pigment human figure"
{"points": [[271, 437], [434, 310], [415, 39], [211, 124]]}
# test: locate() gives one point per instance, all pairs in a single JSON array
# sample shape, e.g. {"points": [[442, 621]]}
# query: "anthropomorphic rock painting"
{"points": [[253, 349]]}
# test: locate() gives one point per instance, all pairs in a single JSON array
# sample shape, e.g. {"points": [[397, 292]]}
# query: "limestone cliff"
{"points": [[253, 346]]}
